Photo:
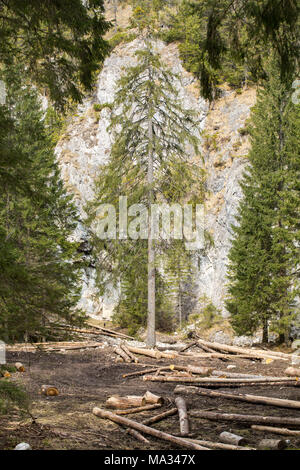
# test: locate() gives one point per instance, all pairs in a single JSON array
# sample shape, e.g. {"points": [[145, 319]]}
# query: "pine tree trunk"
{"points": [[265, 338], [151, 339]]}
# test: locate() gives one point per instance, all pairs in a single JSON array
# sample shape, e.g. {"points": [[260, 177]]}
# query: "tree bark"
{"points": [[183, 416], [146, 429], [244, 418]]}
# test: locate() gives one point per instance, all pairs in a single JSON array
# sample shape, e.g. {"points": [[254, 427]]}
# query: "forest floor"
{"points": [[86, 378]]}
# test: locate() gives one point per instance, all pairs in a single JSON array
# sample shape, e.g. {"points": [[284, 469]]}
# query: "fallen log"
{"points": [[139, 409], [226, 374], [272, 444], [122, 354], [145, 352], [129, 353], [243, 384], [138, 436], [282, 431], [161, 416], [151, 398], [229, 357], [279, 402], [215, 380], [125, 402], [230, 438], [183, 416], [257, 419], [49, 390], [140, 372], [219, 445], [252, 352], [146, 429]]}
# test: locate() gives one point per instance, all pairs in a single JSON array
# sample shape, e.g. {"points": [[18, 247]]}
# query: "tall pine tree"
{"points": [[264, 259], [149, 164], [40, 267]]}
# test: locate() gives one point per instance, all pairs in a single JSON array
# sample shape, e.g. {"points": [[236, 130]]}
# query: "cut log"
{"points": [[140, 372], [140, 409], [145, 352], [215, 380], [279, 402], [272, 444], [217, 356], [49, 390], [237, 375], [183, 416], [230, 438], [252, 352], [151, 398], [120, 352], [125, 402], [161, 416], [244, 384], [138, 436], [292, 371], [282, 431], [129, 353], [19, 366], [257, 419], [146, 429], [205, 371], [219, 445]]}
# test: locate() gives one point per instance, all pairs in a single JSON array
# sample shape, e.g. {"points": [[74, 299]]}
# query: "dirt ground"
{"points": [[86, 378]]}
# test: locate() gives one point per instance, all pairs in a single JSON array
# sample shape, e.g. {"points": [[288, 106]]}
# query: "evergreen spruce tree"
{"points": [[39, 264], [149, 164], [264, 259]]}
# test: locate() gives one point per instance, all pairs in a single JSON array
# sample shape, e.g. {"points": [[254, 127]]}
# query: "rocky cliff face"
{"points": [[87, 144]]}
